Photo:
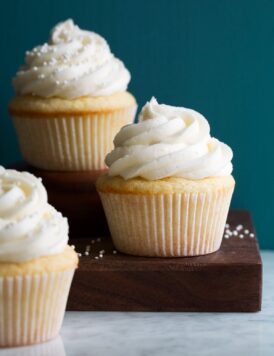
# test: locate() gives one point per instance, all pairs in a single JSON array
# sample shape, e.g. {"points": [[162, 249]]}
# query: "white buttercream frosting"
{"points": [[168, 141], [72, 64], [29, 226]]}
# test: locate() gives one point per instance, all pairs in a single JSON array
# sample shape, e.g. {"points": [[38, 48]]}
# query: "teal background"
{"points": [[215, 56]]}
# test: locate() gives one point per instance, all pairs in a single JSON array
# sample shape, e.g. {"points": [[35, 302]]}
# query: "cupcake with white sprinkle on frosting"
{"points": [[169, 185], [36, 263], [71, 99]]}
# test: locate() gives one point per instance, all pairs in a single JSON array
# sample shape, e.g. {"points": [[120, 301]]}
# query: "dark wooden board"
{"points": [[226, 281]]}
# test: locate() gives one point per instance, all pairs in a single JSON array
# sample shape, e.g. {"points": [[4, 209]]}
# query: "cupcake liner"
{"points": [[53, 347], [32, 307], [167, 225], [70, 142]]}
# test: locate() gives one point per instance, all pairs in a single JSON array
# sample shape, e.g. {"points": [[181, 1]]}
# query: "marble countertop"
{"points": [[189, 334]]}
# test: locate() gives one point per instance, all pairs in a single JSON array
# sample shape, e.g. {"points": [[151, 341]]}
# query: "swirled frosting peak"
{"points": [[72, 64], [29, 226], [168, 141]]}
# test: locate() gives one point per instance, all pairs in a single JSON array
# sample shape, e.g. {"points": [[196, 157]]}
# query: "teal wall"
{"points": [[215, 56]]}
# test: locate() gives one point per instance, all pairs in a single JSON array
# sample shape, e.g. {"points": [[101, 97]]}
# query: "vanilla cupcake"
{"points": [[36, 264], [169, 185], [71, 100]]}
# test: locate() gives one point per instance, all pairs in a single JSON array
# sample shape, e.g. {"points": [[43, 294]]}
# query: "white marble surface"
{"points": [[188, 334]]}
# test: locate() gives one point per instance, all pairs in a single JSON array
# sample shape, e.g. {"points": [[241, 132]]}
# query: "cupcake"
{"points": [[36, 264], [70, 101], [169, 185]]}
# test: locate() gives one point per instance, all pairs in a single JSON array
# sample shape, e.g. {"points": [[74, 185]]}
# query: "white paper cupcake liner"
{"points": [[32, 307], [53, 347], [70, 142], [167, 225]]}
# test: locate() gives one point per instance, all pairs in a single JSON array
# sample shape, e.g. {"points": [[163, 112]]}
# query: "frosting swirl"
{"points": [[168, 142], [72, 64], [29, 226]]}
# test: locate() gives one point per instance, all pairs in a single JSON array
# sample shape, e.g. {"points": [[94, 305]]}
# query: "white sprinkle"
{"points": [[44, 50], [79, 254], [114, 252], [86, 253], [239, 227], [57, 82], [58, 70], [102, 252], [45, 64], [251, 235], [225, 236], [41, 76], [88, 248], [246, 231], [235, 233], [52, 61], [241, 236], [227, 226], [35, 68], [228, 232], [96, 257], [101, 256]]}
